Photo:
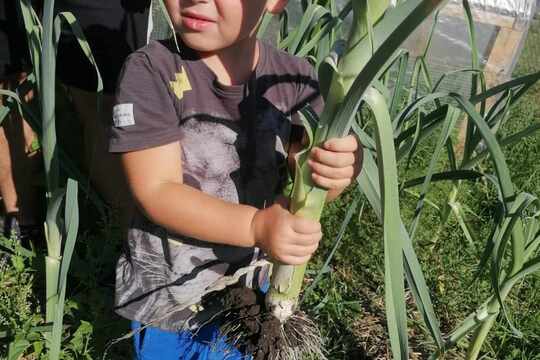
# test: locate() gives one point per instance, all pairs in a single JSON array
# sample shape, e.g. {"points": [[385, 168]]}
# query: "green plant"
{"points": [[345, 84], [18, 304], [61, 223], [411, 122]]}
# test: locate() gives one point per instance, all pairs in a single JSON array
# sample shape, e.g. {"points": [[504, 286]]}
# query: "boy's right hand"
{"points": [[285, 237]]}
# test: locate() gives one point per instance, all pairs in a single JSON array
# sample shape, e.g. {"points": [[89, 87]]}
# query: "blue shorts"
{"points": [[207, 344]]}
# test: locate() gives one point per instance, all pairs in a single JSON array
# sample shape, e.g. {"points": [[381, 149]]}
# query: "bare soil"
{"points": [[246, 321]]}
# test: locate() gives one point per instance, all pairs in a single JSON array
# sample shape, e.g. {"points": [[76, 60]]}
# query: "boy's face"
{"points": [[212, 25]]}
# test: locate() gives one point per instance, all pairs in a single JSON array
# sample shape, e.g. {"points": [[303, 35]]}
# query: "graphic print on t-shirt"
{"points": [[180, 84]]}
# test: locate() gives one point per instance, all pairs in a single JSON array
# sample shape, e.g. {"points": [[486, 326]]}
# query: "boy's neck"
{"points": [[235, 64]]}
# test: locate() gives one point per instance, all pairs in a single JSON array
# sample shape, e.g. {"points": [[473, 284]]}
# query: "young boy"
{"points": [[204, 138]]}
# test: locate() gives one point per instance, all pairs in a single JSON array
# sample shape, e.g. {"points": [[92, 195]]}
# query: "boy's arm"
{"points": [[155, 179]]}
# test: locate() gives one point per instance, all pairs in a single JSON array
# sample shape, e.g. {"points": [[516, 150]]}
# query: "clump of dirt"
{"points": [[254, 330]]}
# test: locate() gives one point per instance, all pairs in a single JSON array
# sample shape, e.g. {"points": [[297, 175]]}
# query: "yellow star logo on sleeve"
{"points": [[180, 84]]}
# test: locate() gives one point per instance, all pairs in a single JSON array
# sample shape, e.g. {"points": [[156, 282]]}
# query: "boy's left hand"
{"points": [[336, 164]]}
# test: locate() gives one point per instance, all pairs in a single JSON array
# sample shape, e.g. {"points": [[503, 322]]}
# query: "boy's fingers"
{"points": [[294, 260], [306, 240], [348, 143], [331, 184], [302, 250], [331, 158], [306, 226], [331, 172], [299, 254]]}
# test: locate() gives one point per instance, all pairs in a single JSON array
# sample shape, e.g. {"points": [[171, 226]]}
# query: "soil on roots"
{"points": [[246, 322]]}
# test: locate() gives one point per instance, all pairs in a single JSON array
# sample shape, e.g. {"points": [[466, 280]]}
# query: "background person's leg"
{"points": [[20, 173], [7, 186]]}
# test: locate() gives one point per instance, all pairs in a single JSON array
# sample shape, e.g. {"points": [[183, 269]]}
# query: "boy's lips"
{"points": [[195, 22]]}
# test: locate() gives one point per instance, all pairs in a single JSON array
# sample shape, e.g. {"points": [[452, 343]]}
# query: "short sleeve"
{"points": [[144, 114], [308, 93]]}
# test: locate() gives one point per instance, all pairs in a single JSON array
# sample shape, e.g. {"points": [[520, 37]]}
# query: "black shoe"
{"points": [[24, 234], [11, 225]]}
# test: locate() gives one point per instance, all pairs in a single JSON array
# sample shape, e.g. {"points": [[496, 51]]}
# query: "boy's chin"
{"points": [[204, 44], [201, 44]]}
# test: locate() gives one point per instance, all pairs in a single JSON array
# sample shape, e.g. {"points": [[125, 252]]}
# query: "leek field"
{"points": [[433, 254]]}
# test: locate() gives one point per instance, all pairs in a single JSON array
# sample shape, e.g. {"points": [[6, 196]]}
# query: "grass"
{"points": [[89, 320], [348, 302]]}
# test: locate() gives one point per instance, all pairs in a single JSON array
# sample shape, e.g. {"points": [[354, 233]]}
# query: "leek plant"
{"points": [[349, 78], [61, 223], [486, 111], [370, 72], [446, 109]]}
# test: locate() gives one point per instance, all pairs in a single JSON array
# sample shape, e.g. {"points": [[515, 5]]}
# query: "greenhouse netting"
{"points": [[501, 27]]}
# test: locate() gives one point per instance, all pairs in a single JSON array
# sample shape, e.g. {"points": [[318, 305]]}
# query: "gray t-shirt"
{"points": [[234, 143]]}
